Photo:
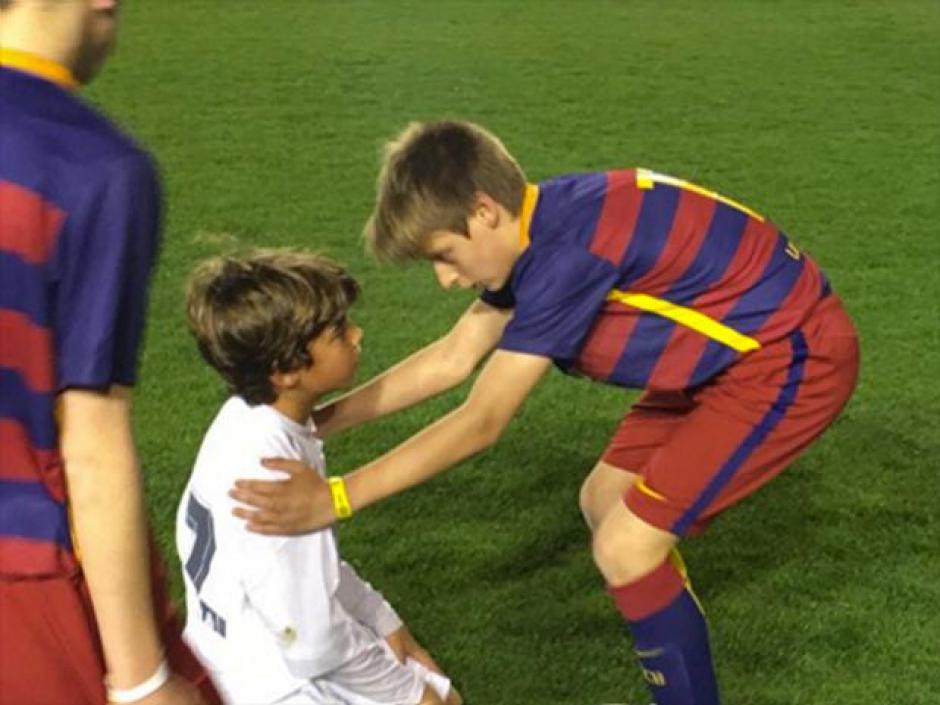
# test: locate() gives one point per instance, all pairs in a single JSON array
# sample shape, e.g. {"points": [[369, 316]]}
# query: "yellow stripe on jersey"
{"points": [[38, 66], [528, 208], [690, 318], [647, 179]]}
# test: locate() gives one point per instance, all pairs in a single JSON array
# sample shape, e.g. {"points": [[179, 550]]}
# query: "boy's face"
{"points": [[335, 354], [482, 259]]}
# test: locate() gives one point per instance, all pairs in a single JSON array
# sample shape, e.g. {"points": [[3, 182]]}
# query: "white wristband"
{"points": [[142, 690]]}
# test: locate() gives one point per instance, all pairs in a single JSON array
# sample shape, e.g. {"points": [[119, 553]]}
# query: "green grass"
{"points": [[267, 118]]}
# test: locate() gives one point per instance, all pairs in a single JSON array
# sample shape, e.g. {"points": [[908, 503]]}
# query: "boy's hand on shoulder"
{"points": [[298, 504]]}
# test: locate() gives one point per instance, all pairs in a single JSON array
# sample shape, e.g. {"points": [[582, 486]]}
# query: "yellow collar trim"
{"points": [[528, 208], [38, 66]]}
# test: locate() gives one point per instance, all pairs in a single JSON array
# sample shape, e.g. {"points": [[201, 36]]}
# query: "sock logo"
{"points": [[657, 678], [651, 676]]}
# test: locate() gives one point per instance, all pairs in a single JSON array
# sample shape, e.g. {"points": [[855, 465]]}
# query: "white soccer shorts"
{"points": [[373, 677]]}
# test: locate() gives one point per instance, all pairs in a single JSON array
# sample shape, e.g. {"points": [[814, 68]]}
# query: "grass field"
{"points": [[267, 118]]}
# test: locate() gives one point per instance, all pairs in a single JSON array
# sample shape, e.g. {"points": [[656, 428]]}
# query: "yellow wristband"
{"points": [[340, 499]]}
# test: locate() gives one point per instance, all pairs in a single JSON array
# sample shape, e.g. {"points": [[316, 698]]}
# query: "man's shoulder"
{"points": [[106, 152], [94, 136], [63, 158], [44, 124]]}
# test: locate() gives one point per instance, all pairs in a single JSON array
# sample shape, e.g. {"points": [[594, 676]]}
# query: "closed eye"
{"points": [[445, 256]]}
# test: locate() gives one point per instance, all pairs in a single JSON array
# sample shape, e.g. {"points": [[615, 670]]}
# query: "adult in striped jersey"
{"points": [[627, 277], [79, 217]]}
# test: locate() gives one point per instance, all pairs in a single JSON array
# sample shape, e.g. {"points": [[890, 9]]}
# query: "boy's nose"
{"points": [[446, 275]]}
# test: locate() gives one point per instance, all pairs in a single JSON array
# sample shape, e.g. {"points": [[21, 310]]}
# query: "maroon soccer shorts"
{"points": [[50, 653], [701, 450]]}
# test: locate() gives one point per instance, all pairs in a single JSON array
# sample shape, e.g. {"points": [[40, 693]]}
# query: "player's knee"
{"points": [[602, 490], [624, 557]]}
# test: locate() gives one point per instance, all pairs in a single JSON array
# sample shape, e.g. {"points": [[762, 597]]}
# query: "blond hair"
{"points": [[430, 177], [255, 314]]}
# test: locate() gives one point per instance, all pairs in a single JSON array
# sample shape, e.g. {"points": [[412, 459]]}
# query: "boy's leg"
{"points": [[603, 488], [648, 425], [639, 561], [647, 581], [742, 430]]}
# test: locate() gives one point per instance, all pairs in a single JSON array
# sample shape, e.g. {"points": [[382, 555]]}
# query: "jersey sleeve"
{"points": [[364, 603], [558, 294], [106, 256], [291, 583], [291, 587]]}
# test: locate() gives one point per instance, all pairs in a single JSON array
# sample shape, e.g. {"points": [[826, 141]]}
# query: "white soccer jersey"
{"points": [[266, 614]]}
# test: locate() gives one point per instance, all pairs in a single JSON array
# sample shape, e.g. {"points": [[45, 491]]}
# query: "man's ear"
{"points": [[104, 4]]}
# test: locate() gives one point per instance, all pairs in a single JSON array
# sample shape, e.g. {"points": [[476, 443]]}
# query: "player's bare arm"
{"points": [[303, 502], [434, 369], [108, 516]]}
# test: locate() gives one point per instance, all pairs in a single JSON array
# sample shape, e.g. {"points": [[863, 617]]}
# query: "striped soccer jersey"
{"points": [[646, 281], [79, 222]]}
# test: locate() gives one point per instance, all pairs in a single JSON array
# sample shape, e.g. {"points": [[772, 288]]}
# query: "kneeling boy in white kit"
{"points": [[282, 619]]}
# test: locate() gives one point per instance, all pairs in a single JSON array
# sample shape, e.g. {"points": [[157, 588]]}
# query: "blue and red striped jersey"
{"points": [[644, 280], [79, 225]]}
